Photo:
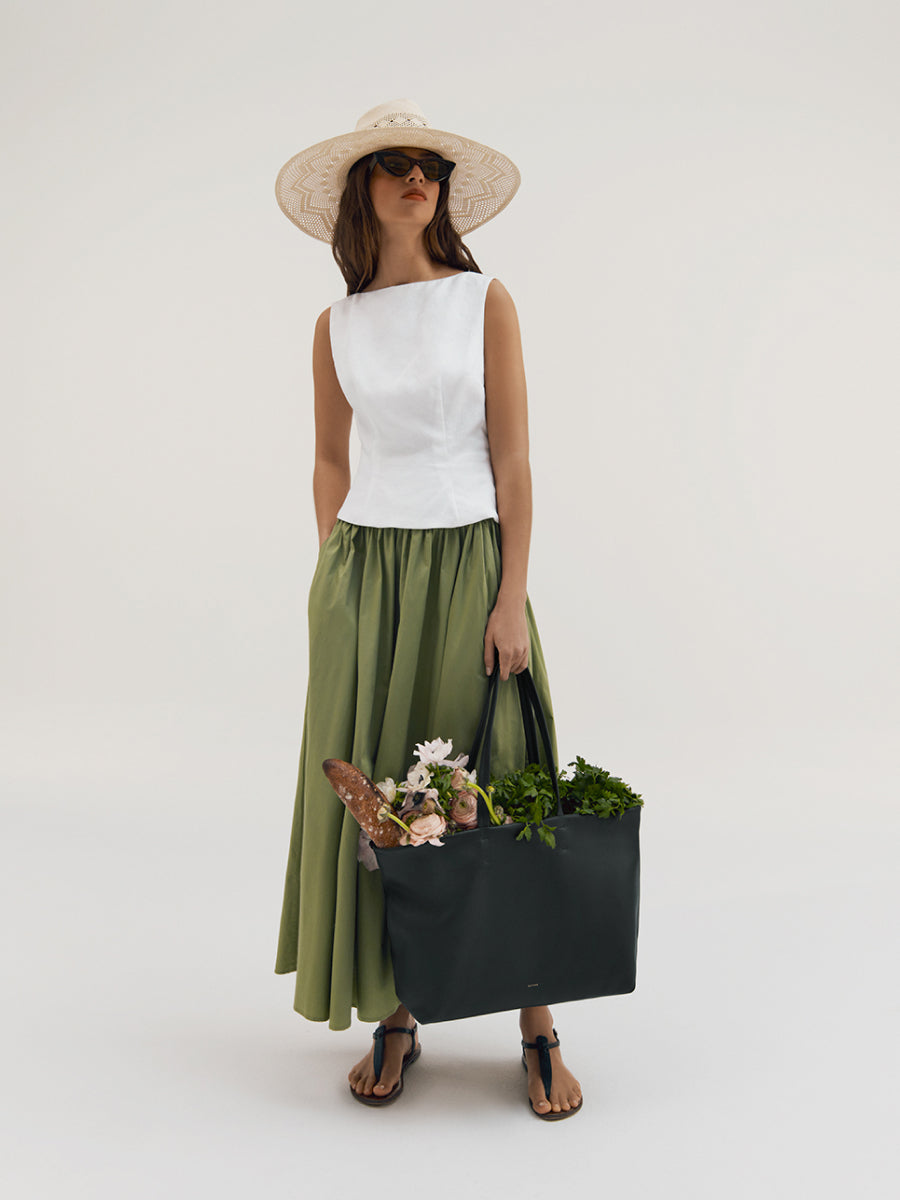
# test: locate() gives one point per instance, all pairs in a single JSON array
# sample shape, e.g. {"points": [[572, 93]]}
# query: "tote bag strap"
{"points": [[530, 703], [532, 750], [487, 714], [531, 708]]}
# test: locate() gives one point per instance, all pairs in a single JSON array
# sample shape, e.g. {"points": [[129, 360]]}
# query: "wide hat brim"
{"points": [[309, 185]]}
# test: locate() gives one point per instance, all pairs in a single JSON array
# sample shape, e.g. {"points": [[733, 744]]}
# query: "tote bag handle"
{"points": [[530, 705]]}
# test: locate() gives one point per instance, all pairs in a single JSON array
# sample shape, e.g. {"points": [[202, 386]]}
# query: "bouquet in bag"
{"points": [[439, 797]]}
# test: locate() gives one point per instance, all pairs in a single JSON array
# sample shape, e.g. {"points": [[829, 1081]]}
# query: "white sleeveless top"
{"points": [[410, 360]]}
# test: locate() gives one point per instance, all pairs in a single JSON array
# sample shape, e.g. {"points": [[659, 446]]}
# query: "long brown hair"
{"points": [[356, 241]]}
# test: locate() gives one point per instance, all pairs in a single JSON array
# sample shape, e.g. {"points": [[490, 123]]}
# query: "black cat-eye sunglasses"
{"points": [[434, 168]]}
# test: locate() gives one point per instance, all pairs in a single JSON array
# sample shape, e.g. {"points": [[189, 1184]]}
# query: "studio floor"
{"points": [[152, 1050]]}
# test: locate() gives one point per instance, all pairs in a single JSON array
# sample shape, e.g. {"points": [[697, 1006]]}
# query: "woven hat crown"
{"points": [[395, 114]]}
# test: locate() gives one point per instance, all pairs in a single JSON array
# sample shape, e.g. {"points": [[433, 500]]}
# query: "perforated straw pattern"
{"points": [[309, 185]]}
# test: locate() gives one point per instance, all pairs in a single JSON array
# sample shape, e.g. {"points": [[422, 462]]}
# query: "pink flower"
{"points": [[427, 829], [459, 780], [431, 802], [464, 810]]}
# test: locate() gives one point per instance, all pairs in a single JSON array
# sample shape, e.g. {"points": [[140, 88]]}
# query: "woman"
{"points": [[408, 610]]}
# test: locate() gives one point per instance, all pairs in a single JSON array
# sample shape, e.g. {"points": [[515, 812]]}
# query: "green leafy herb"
{"points": [[593, 790], [527, 796]]}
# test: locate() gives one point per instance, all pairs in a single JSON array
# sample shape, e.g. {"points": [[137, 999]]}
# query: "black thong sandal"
{"points": [[543, 1047], [408, 1059]]}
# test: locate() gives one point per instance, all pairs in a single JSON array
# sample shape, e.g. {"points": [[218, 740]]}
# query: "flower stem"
{"points": [[402, 824], [495, 820]]}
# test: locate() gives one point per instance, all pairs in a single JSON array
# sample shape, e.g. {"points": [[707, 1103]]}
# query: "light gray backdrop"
{"points": [[704, 254]]}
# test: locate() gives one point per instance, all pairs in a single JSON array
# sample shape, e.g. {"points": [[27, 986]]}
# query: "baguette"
{"points": [[363, 799]]}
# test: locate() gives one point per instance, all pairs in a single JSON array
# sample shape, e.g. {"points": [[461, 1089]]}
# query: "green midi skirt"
{"points": [[396, 656]]}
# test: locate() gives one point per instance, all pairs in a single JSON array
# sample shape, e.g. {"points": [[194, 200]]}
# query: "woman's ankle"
{"points": [[533, 1020], [400, 1016]]}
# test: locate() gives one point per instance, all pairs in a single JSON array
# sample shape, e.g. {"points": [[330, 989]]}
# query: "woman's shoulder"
{"points": [[498, 303], [323, 321], [322, 337]]}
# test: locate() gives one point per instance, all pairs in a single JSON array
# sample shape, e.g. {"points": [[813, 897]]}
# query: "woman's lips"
{"points": [[412, 196]]}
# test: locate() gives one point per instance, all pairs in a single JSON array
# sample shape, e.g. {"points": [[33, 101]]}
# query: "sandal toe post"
{"points": [[378, 1063], [543, 1047]]}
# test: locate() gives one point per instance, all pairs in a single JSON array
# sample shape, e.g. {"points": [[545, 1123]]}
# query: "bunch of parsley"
{"points": [[527, 796]]}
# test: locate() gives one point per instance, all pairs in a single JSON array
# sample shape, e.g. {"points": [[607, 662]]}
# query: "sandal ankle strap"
{"points": [[541, 1039], [383, 1030]]}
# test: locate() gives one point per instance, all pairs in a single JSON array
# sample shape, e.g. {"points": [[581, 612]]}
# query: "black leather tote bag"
{"points": [[484, 923]]}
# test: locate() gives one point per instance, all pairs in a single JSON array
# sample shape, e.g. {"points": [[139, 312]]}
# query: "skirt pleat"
{"points": [[396, 657]]}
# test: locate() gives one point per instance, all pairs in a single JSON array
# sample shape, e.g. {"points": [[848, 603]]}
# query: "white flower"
{"points": [[435, 753], [388, 789], [418, 777]]}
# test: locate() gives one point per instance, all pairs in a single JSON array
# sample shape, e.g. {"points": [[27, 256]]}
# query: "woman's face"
{"points": [[404, 200]]}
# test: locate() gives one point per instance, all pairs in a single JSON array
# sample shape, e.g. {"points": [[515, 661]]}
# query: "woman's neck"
{"points": [[404, 260]]}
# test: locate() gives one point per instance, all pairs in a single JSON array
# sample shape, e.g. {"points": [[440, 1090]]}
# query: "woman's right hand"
{"points": [[506, 635]]}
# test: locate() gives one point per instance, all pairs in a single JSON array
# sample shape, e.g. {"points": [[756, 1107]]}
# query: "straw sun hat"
{"points": [[309, 185]]}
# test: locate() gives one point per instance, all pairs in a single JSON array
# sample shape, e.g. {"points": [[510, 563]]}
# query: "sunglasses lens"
{"points": [[397, 164]]}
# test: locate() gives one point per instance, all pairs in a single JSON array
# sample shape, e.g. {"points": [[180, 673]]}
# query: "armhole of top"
{"points": [[490, 280], [330, 341], [331, 347], [332, 328]]}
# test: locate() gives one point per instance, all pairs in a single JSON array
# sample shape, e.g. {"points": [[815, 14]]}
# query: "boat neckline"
{"points": [[412, 282]]}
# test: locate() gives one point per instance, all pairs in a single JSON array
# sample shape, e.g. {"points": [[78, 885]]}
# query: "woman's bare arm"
{"points": [[506, 410], [331, 474]]}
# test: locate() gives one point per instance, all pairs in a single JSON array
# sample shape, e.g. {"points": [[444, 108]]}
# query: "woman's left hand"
{"points": [[507, 631]]}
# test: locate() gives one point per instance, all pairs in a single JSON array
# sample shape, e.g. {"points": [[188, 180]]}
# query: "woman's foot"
{"points": [[362, 1076], [565, 1091]]}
